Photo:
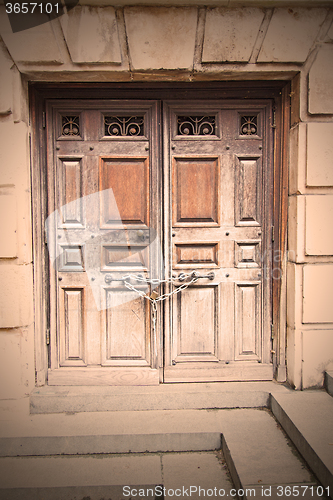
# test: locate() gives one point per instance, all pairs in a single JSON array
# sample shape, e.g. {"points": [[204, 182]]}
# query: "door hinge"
{"points": [[47, 336], [273, 233], [43, 119], [272, 331]]}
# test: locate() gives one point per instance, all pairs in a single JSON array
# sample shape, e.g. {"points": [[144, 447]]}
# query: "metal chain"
{"points": [[164, 296], [152, 281]]}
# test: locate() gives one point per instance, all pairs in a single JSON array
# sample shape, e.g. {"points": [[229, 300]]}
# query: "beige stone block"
{"points": [[6, 91], [230, 34], [321, 82], [34, 45], [10, 365], [17, 370], [319, 225], [14, 156], [319, 170], [8, 223], [91, 34], [161, 37], [318, 293], [317, 356], [291, 34], [16, 292]]}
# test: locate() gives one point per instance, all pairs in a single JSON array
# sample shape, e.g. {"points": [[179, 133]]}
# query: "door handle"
{"points": [[210, 275], [195, 274], [109, 278]]}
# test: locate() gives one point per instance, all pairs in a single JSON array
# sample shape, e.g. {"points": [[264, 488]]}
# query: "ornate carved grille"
{"points": [[124, 126], [196, 125], [249, 125], [70, 126]]}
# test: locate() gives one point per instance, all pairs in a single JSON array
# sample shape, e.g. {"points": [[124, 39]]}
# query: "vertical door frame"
{"points": [[278, 91]]}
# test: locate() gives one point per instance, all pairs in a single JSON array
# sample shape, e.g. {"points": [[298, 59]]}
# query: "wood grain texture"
{"points": [[196, 191], [127, 202]]}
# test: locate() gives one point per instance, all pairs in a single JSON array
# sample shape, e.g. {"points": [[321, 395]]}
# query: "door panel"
{"points": [[220, 215], [129, 180], [196, 191]]}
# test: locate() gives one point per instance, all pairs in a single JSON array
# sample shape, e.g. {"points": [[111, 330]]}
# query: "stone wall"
{"points": [[158, 43]]}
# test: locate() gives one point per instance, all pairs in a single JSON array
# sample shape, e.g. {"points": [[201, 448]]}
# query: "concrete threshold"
{"points": [[50, 399]]}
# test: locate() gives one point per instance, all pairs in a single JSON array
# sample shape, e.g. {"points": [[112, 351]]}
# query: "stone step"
{"points": [[259, 455], [50, 399], [109, 444], [307, 418], [262, 460]]}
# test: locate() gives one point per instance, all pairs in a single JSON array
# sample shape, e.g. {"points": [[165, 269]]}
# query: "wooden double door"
{"points": [[141, 190]]}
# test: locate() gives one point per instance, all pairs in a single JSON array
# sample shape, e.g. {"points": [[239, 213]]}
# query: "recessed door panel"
{"points": [[248, 191], [196, 191], [124, 191], [196, 335], [127, 328]]}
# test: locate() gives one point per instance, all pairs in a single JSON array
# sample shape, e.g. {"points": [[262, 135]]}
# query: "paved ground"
{"points": [[193, 474]]}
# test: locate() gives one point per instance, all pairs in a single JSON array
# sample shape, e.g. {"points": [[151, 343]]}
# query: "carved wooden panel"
{"points": [[120, 256], [200, 254], [71, 258], [247, 321], [196, 191], [248, 202], [197, 324], [247, 254], [70, 190], [126, 200], [72, 331], [127, 328]]}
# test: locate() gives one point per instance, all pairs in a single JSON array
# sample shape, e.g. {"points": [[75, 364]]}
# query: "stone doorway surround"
{"points": [[167, 43]]}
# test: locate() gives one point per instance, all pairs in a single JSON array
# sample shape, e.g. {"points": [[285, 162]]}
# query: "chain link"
{"points": [[154, 281], [164, 296]]}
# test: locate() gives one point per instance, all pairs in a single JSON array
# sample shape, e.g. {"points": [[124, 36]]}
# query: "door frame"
{"points": [[278, 91]]}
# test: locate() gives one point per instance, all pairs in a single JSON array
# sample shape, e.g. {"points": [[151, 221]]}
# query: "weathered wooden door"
{"points": [[104, 213], [113, 197], [218, 226]]}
